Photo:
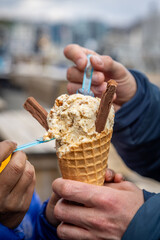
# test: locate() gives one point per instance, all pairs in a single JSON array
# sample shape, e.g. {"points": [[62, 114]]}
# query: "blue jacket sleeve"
{"points": [[26, 229], [136, 134], [146, 223], [34, 225], [43, 228], [8, 234]]}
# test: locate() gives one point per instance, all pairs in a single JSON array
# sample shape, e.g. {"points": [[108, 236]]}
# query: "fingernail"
{"points": [[109, 174], [97, 60]]}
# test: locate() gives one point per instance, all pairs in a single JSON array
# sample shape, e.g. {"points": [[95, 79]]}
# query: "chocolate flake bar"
{"points": [[105, 105], [37, 111]]}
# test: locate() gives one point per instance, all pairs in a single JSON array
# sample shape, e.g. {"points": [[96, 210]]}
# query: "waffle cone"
{"points": [[87, 162]]}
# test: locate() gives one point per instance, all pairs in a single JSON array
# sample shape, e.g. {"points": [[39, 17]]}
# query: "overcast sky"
{"points": [[116, 12]]}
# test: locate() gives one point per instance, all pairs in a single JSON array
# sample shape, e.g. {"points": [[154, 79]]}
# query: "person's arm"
{"points": [[146, 223], [17, 183], [137, 130]]}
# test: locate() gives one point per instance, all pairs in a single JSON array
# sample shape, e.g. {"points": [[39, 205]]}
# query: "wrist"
{"points": [[126, 90], [132, 87]]}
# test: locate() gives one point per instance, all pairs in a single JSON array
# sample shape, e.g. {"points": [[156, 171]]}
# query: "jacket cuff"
{"points": [[145, 224], [147, 195], [132, 109]]}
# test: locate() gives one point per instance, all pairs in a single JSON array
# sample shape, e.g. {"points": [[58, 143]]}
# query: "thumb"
{"points": [[50, 210], [111, 68], [53, 199]]}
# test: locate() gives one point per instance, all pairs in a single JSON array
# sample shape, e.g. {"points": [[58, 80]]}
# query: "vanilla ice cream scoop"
{"points": [[72, 120]]}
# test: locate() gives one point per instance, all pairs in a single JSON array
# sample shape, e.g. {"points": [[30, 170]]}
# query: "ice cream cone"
{"points": [[87, 162]]}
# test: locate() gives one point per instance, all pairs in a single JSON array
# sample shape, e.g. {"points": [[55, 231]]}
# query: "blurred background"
{"points": [[33, 34]]}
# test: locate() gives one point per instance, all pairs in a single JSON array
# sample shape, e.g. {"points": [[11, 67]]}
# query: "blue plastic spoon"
{"points": [[31, 144], [87, 79]]}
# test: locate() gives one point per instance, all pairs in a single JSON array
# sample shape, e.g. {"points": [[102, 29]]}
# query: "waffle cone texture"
{"points": [[87, 162]]}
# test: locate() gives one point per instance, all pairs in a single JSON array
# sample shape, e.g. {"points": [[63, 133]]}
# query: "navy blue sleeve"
{"points": [[136, 134], [145, 224]]}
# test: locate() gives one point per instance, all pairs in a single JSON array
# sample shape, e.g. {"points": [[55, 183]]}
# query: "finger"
{"points": [[78, 215], [125, 185], [119, 178], [26, 179], [109, 176], [107, 65], [75, 191], [77, 54], [72, 213], [20, 201], [54, 199], [50, 210], [76, 76], [73, 87], [13, 172], [97, 90], [66, 231], [6, 148], [27, 197]]}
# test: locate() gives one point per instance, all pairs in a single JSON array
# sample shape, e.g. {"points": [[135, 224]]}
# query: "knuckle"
{"points": [[66, 190], [17, 168], [109, 61], [106, 200], [10, 206], [101, 200], [30, 172], [98, 223], [111, 199]]}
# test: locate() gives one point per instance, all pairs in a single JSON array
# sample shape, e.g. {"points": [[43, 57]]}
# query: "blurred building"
{"points": [[136, 46], [89, 32]]}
